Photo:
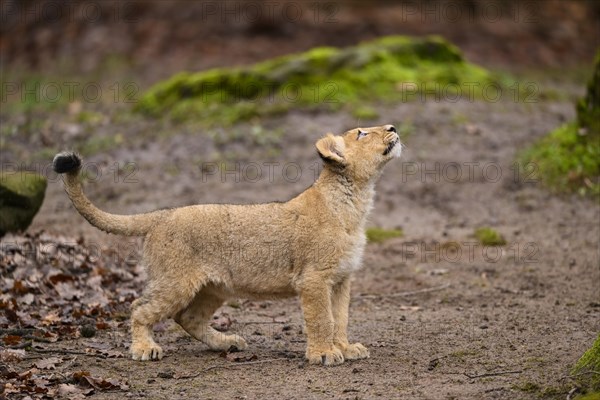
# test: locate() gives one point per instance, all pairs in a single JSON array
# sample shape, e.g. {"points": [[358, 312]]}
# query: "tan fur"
{"points": [[199, 256]]}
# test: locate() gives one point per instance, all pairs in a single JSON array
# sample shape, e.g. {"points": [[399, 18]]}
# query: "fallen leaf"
{"points": [[73, 392], [67, 291], [10, 355], [85, 379], [238, 357], [11, 340], [48, 363], [27, 299], [50, 319]]}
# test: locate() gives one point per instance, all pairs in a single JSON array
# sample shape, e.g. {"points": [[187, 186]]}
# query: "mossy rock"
{"points": [[379, 235], [587, 369], [489, 237], [21, 196], [568, 158], [322, 77], [588, 108]]}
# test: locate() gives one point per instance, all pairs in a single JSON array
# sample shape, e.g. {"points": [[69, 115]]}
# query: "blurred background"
{"points": [[157, 38], [483, 257]]}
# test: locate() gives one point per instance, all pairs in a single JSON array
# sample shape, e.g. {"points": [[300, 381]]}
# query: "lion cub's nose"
{"points": [[390, 128]]}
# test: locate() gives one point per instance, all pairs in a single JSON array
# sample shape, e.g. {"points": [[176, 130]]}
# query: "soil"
{"points": [[443, 316]]}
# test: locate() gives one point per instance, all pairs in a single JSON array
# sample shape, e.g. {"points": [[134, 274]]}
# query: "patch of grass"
{"points": [[391, 68], [462, 354], [406, 129], [587, 368], [380, 235], [365, 113], [528, 387], [97, 144], [564, 162], [89, 117], [459, 119], [489, 237], [589, 396]]}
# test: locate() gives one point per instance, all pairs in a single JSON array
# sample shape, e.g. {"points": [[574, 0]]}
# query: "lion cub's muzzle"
{"points": [[392, 139]]}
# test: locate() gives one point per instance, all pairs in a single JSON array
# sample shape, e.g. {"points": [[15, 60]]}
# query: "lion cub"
{"points": [[199, 256]]}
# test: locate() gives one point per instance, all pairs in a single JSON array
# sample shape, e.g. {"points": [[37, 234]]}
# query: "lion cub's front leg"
{"points": [[316, 306], [340, 301]]}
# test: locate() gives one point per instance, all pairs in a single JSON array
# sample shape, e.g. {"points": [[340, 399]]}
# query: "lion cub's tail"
{"points": [[69, 163]]}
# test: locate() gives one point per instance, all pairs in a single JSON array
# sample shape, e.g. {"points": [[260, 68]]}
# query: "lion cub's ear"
{"points": [[332, 148]]}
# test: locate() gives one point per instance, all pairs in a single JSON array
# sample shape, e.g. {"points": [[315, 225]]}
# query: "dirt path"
{"points": [[505, 325]]}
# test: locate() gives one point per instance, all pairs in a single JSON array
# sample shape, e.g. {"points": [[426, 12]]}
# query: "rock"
{"points": [[587, 369], [384, 68], [588, 108], [88, 331], [21, 196]]}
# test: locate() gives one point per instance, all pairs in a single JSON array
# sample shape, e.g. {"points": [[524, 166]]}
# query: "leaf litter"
{"points": [[53, 289]]}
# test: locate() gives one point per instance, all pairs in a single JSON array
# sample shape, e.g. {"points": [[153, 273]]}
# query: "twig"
{"points": [[38, 339], [571, 393], [21, 345], [433, 363], [492, 374], [60, 351], [579, 374], [229, 366], [403, 294], [18, 332]]}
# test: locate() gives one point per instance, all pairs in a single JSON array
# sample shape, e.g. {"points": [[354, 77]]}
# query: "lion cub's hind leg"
{"points": [[158, 303], [196, 317]]}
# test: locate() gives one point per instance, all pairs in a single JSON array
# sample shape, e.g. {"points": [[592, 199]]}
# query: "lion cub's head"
{"points": [[360, 153]]}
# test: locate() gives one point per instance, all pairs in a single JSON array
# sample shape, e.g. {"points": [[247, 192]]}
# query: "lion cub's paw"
{"points": [[150, 351], [225, 342], [328, 357], [355, 351]]}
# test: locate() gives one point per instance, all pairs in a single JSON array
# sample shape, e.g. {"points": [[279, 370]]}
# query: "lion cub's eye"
{"points": [[361, 134]]}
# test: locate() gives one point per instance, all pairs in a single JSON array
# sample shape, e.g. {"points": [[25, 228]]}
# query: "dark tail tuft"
{"points": [[66, 162]]}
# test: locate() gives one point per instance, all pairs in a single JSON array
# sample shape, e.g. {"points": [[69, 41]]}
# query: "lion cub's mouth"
{"points": [[390, 147]]}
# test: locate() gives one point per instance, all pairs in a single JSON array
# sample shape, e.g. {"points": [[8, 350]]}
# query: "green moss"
{"points": [[587, 369], [21, 196], [588, 108], [365, 113], [89, 117], [379, 235], [489, 237], [97, 144], [589, 396], [568, 158], [563, 161], [528, 387], [323, 77]]}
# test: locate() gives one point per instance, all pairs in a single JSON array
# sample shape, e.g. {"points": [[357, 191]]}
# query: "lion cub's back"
{"points": [[252, 244]]}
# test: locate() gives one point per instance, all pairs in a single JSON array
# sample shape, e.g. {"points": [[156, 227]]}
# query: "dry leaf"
{"points": [[240, 357], [10, 355], [48, 363], [11, 340]]}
